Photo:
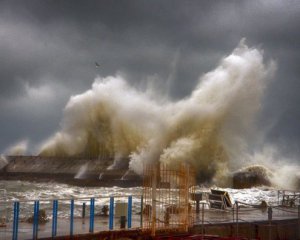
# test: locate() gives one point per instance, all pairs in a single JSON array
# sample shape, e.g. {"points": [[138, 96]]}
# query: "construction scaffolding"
{"points": [[167, 197]]}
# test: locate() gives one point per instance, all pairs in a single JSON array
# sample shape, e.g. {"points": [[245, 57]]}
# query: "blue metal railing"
{"points": [[35, 220], [16, 220], [92, 214], [72, 204], [129, 211], [54, 218], [72, 217], [111, 213]]}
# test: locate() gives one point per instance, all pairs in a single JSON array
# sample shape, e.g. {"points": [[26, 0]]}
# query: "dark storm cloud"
{"points": [[51, 46]]}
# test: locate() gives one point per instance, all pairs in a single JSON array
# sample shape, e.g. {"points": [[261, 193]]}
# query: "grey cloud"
{"points": [[57, 42]]}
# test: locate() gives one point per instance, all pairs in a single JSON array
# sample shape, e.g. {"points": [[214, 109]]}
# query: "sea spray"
{"points": [[209, 129], [18, 149], [3, 161]]}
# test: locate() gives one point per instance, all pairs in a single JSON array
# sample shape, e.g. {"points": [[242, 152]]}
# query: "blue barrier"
{"points": [[16, 220], [92, 215], [71, 217], [54, 218], [129, 213], [72, 213], [111, 213], [35, 220]]}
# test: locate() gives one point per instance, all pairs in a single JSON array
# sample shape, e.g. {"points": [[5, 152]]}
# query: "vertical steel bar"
{"points": [[202, 220], [237, 218], [142, 208], [16, 220], [53, 214], [129, 214], [153, 214], [92, 216], [93, 211], [56, 210], [83, 210], [83, 213], [298, 221], [71, 217], [37, 222], [35, 219], [54, 218], [111, 213]]}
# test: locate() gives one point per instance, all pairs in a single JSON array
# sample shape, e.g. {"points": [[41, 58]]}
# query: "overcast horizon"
{"points": [[49, 50]]}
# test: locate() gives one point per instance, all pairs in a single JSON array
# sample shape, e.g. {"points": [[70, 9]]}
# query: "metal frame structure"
{"points": [[167, 197]]}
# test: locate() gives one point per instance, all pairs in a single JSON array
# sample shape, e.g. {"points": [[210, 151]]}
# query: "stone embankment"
{"points": [[72, 170]]}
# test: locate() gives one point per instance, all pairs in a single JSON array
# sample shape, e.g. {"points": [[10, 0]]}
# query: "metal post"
{"points": [[270, 222], [35, 220], [92, 214], [197, 206], [83, 210], [142, 202], [54, 218], [111, 213], [16, 220], [153, 211], [71, 217], [237, 218], [202, 220], [298, 221], [129, 214]]}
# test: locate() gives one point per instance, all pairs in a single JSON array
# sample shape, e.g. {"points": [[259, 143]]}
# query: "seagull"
{"points": [[97, 64]]}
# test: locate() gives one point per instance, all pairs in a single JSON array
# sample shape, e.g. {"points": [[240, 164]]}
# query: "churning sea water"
{"points": [[27, 192]]}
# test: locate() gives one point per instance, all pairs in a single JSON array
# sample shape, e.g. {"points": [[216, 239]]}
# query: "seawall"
{"points": [[80, 171]]}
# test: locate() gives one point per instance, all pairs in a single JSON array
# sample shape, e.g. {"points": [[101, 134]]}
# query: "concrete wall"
{"points": [[279, 229], [73, 170]]}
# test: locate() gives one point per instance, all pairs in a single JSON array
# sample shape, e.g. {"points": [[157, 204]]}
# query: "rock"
{"points": [[263, 204], [42, 217], [104, 210], [252, 176]]}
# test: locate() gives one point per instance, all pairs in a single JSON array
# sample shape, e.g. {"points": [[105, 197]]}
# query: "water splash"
{"points": [[82, 171], [211, 129], [18, 149]]}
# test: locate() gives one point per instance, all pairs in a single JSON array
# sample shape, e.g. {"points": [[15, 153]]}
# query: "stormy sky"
{"points": [[48, 51]]}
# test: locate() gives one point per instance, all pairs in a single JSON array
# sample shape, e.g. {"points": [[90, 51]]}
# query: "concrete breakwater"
{"points": [[79, 171]]}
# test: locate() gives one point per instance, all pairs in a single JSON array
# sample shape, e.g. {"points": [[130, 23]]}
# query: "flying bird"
{"points": [[97, 64]]}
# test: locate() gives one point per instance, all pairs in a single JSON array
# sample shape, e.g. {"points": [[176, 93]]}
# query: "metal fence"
{"points": [[33, 219]]}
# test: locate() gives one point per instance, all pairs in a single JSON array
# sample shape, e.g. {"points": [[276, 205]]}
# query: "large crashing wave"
{"points": [[208, 129]]}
